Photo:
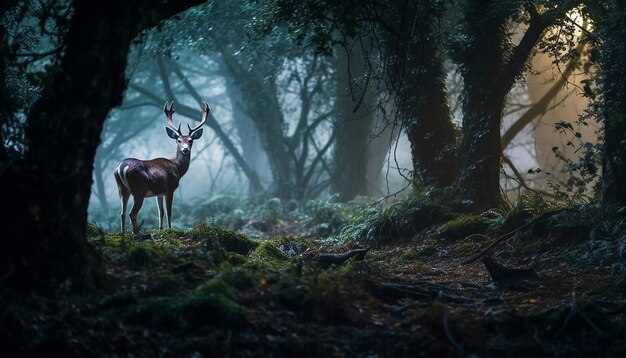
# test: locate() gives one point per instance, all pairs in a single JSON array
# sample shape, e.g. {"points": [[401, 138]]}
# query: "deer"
{"points": [[157, 177]]}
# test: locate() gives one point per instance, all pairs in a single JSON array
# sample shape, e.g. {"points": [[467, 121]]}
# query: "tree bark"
{"points": [[418, 77], [483, 106], [490, 70], [49, 190], [100, 187], [613, 57], [352, 128]]}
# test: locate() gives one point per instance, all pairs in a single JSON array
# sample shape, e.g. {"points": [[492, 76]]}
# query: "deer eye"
{"points": [[179, 140]]}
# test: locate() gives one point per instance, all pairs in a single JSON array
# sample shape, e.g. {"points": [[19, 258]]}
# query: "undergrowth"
{"points": [[207, 280]]}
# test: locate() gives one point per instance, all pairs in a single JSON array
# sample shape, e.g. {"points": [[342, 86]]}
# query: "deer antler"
{"points": [[205, 114], [169, 111]]}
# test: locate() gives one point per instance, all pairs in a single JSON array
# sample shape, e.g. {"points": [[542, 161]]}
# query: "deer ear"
{"points": [[197, 134], [171, 133]]}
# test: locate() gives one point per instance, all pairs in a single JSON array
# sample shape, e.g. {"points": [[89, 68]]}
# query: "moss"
{"points": [[142, 256], [118, 242], [240, 278], [292, 292], [418, 254], [209, 305], [235, 259], [145, 252], [213, 303], [464, 247], [268, 249], [462, 226], [95, 233], [168, 239], [216, 237]]}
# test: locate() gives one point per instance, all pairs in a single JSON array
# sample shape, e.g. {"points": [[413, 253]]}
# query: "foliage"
{"points": [[523, 209], [581, 184], [601, 231], [322, 217], [189, 287], [216, 238], [405, 217], [209, 304], [459, 227]]}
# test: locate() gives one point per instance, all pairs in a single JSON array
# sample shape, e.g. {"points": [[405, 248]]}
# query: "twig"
{"points": [[479, 235], [446, 328]]}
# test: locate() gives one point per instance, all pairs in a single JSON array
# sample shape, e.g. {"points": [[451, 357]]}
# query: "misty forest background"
{"points": [[353, 124]]}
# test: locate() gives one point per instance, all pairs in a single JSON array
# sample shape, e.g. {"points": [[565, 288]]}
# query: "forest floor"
{"points": [[213, 292]]}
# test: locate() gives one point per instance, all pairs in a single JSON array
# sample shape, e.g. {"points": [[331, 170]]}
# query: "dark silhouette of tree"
{"points": [[48, 188], [611, 17], [490, 65], [417, 77], [352, 125]]}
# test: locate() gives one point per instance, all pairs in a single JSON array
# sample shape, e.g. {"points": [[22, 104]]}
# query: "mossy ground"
{"points": [[211, 291]]}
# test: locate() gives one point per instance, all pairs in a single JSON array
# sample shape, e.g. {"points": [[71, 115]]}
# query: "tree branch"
{"points": [[541, 105]]}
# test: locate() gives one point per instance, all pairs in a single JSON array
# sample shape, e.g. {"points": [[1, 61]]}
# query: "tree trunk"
{"points": [[419, 80], [613, 56], [483, 106], [250, 142], [352, 129], [100, 187], [259, 90], [490, 67], [49, 191]]}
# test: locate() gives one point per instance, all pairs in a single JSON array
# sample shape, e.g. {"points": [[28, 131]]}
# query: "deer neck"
{"points": [[182, 162]]}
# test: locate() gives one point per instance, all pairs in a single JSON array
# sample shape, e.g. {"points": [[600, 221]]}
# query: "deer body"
{"points": [[157, 177]]}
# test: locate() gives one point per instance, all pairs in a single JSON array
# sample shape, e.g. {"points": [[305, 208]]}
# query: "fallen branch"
{"points": [[340, 259]]}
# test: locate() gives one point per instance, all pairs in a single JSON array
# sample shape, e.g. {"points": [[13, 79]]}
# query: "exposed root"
{"points": [[451, 339], [576, 311]]}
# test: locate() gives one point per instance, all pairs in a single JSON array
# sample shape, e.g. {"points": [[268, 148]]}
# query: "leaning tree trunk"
{"points": [[49, 191], [418, 77], [613, 71]]}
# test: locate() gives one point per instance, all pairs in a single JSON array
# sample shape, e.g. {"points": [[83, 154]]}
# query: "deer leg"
{"points": [[124, 195], [124, 202], [159, 200], [138, 202], [169, 198]]}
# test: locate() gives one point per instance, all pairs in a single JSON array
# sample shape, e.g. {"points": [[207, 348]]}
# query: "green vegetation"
{"points": [[209, 282]]}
